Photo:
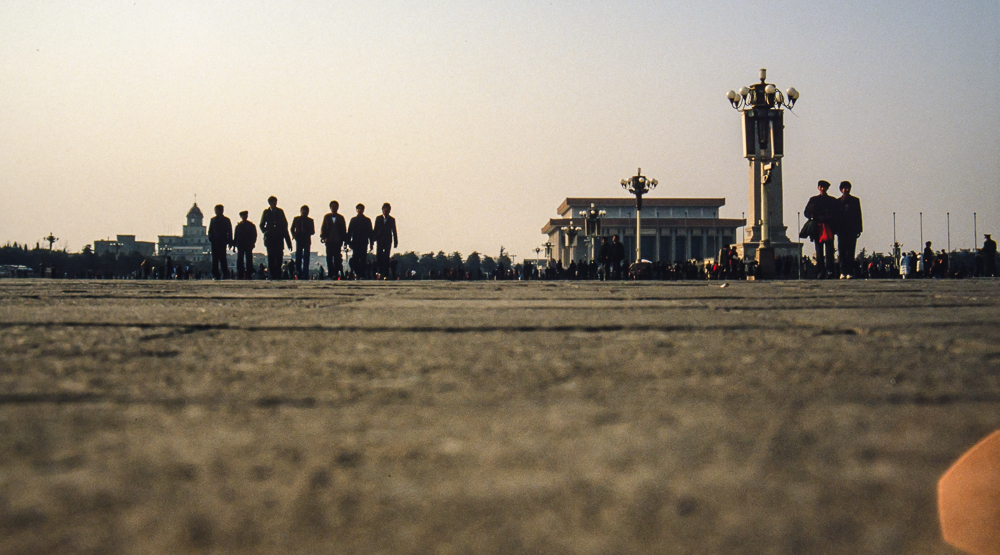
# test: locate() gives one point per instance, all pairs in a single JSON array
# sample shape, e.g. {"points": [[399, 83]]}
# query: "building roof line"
{"points": [[616, 201], [555, 223]]}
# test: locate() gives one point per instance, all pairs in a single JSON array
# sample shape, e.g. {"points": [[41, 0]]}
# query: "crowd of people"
{"points": [[360, 235], [840, 218]]}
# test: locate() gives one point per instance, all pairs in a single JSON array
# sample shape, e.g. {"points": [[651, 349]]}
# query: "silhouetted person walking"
{"points": [[220, 235], [303, 229], [274, 226], [604, 257], [385, 238], [617, 256], [849, 229], [824, 210], [989, 257], [333, 233], [245, 238], [359, 237], [928, 260]]}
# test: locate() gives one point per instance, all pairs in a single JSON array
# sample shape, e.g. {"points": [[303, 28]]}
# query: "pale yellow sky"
{"points": [[475, 121]]}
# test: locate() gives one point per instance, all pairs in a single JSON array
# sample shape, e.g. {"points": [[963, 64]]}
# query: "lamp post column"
{"points": [[760, 106], [638, 185], [638, 235]]}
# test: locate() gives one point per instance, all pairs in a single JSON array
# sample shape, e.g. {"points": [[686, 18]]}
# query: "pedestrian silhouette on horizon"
{"points": [[385, 238], [928, 260], [245, 238], [989, 256], [824, 210], [849, 230], [617, 256], [274, 226], [360, 238], [333, 233], [220, 235], [303, 228]]}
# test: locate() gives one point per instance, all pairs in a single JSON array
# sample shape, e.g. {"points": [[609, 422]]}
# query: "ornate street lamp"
{"points": [[761, 106], [569, 236], [548, 252], [50, 239], [592, 226], [638, 185]]}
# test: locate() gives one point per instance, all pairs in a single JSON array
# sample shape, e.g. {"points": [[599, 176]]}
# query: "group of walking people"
{"points": [[831, 217], [361, 235]]}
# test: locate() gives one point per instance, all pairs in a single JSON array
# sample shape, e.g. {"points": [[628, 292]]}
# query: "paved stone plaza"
{"points": [[490, 417]]}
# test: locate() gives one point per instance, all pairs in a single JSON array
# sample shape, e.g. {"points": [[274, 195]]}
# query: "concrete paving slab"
{"points": [[490, 417]]}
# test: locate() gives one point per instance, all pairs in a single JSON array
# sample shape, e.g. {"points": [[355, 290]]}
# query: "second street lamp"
{"points": [[638, 185], [569, 233], [592, 226]]}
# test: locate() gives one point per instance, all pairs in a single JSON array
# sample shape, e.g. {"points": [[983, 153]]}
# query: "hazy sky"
{"points": [[475, 120]]}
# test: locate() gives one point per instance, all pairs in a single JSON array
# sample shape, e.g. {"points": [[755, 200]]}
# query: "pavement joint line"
{"points": [[276, 401], [192, 328]]}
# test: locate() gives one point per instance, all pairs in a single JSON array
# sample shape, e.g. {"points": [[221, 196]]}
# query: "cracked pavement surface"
{"points": [[489, 417]]}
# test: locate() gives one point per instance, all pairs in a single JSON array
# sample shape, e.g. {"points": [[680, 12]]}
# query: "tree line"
{"points": [[87, 264]]}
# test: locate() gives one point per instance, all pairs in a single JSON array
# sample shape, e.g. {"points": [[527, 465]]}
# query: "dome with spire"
{"points": [[194, 216]]}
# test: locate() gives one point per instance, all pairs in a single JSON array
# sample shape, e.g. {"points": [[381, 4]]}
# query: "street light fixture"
{"points": [[760, 106], [569, 234], [592, 226], [50, 239], [638, 185]]}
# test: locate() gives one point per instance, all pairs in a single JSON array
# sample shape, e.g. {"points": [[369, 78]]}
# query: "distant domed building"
{"points": [[192, 244]]}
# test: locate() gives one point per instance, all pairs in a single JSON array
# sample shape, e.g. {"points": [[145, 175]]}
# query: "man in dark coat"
{"points": [[848, 230], [604, 257], [220, 235], [303, 229], [928, 260], [333, 233], [825, 211], [360, 238], [245, 238], [274, 226], [617, 256], [385, 237], [989, 257]]}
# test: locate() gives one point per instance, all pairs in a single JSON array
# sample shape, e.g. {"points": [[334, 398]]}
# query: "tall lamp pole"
{"points": [[638, 185], [948, 215], [569, 235], [592, 226], [760, 106]]}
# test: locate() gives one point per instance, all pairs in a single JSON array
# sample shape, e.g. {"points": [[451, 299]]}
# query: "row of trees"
{"points": [[86, 264], [430, 265], [62, 263]]}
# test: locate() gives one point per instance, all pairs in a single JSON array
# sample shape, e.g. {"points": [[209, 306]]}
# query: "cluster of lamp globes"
{"points": [[774, 96], [639, 183]]}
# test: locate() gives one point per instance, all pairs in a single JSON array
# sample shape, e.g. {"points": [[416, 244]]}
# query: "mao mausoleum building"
{"points": [[673, 229]]}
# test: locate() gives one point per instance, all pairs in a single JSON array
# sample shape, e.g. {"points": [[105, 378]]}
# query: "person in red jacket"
{"points": [[825, 211]]}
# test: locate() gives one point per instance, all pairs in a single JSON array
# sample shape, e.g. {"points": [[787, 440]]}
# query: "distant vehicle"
{"points": [[15, 271]]}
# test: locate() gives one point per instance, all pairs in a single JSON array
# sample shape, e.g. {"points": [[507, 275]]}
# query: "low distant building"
{"points": [[124, 244], [673, 229], [192, 244]]}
